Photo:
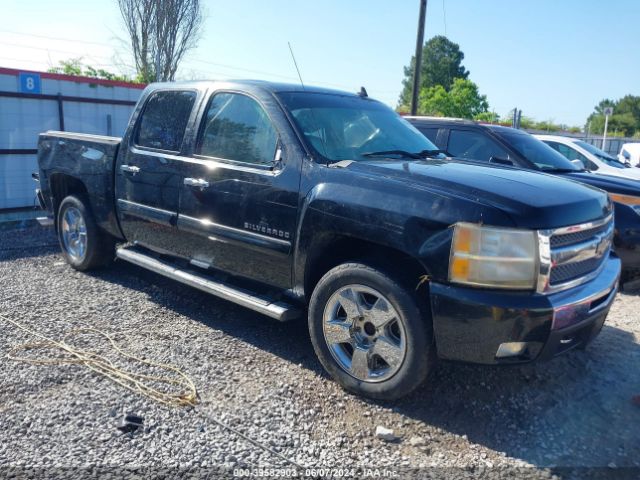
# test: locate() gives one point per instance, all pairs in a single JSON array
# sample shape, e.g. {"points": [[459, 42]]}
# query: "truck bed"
{"points": [[90, 158]]}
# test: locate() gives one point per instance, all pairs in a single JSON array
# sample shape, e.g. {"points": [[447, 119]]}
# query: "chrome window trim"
{"points": [[545, 255]]}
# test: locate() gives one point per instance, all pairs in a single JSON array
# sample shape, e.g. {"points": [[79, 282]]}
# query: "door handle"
{"points": [[130, 169], [196, 182]]}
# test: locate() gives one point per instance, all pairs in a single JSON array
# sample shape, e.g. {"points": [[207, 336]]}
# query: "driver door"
{"points": [[239, 192]]}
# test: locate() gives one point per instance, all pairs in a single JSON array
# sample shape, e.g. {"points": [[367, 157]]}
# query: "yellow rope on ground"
{"points": [[103, 366]]}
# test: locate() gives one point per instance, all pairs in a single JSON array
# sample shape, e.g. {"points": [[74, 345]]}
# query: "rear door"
{"points": [[147, 173], [240, 190]]}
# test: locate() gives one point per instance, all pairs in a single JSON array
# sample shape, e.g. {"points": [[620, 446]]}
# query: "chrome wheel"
{"points": [[364, 333], [74, 233]]}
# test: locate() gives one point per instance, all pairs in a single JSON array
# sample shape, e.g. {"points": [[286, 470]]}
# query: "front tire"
{"points": [[369, 332], [83, 245]]}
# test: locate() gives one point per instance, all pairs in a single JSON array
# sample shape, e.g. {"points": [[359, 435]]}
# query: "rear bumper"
{"points": [[470, 325]]}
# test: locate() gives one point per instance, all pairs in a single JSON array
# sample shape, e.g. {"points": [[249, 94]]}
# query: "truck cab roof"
{"points": [[247, 86]]}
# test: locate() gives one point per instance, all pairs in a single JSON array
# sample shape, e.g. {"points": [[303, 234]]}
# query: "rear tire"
{"points": [[370, 333], [83, 244]]}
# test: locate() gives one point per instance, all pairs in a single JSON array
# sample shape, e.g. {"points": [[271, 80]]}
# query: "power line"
{"points": [[55, 38], [31, 47], [205, 62]]}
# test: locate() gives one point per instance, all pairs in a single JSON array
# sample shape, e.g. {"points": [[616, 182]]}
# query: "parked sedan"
{"points": [[477, 142], [593, 159]]}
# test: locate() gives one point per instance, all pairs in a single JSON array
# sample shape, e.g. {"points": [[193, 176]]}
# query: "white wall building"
{"points": [[34, 102]]}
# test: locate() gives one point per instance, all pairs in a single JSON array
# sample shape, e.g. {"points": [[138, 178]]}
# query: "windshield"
{"points": [[341, 127], [602, 155], [536, 151]]}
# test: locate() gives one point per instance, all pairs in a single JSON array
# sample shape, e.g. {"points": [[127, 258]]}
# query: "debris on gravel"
{"points": [[385, 434], [265, 400]]}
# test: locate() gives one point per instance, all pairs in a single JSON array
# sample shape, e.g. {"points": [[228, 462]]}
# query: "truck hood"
{"points": [[531, 199], [609, 183]]}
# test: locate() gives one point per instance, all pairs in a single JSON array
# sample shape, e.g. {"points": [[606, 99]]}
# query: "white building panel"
{"points": [[22, 119], [17, 188]]}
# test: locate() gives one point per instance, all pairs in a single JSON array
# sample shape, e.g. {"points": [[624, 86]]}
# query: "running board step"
{"points": [[279, 310]]}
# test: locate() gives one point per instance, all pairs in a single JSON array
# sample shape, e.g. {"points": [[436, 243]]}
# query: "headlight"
{"points": [[630, 200], [493, 257]]}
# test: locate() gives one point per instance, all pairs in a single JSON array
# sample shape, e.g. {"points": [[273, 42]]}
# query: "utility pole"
{"points": [[607, 111], [418, 66]]}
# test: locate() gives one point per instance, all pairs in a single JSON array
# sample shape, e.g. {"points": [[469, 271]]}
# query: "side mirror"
{"points": [[578, 163]]}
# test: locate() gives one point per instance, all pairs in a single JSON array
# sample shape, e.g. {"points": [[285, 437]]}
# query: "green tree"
{"points": [[441, 65], [463, 100], [625, 120], [74, 66], [487, 117]]}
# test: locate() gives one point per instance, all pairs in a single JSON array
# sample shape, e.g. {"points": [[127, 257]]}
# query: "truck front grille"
{"points": [[571, 238], [571, 271], [572, 255]]}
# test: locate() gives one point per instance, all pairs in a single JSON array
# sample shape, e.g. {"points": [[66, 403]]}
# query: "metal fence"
{"points": [[612, 147], [33, 102], [614, 144]]}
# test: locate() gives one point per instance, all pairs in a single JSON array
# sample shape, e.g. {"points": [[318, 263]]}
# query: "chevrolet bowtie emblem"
{"points": [[602, 246]]}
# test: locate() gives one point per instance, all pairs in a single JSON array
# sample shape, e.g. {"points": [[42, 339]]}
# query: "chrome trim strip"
{"points": [[582, 226], [544, 252], [279, 310], [152, 214], [208, 228]]}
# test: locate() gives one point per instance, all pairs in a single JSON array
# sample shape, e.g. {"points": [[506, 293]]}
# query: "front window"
{"points": [[536, 151], [601, 154], [237, 128], [339, 127]]}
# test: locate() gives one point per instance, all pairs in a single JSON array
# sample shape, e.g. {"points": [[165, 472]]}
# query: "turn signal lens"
{"points": [[630, 200], [493, 257], [625, 199]]}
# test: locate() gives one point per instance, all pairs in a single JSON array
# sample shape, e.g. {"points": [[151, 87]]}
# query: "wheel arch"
{"points": [[62, 185], [331, 250]]}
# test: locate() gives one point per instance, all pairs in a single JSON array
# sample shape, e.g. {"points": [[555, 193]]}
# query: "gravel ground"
{"points": [[262, 379]]}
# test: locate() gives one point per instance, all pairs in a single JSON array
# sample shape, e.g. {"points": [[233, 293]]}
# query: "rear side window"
{"points": [[430, 133], [474, 146], [164, 120], [235, 127]]}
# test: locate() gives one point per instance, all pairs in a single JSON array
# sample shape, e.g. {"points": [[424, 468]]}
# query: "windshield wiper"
{"points": [[386, 153]]}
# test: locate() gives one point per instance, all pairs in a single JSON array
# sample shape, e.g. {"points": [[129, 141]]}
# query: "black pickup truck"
{"points": [[292, 200]]}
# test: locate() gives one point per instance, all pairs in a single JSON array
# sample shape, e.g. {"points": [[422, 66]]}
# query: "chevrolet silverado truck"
{"points": [[479, 142], [296, 201]]}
